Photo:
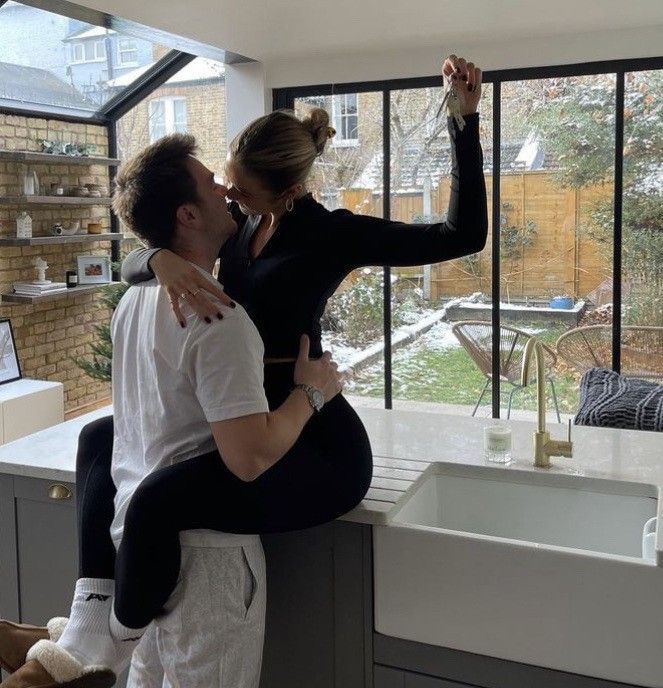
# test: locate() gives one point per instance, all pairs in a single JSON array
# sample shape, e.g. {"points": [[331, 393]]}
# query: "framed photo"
{"points": [[94, 269], [10, 369]]}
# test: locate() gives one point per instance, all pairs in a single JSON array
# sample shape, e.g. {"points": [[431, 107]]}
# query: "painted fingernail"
{"points": [[219, 316], [208, 320], [232, 304], [458, 69], [464, 77]]}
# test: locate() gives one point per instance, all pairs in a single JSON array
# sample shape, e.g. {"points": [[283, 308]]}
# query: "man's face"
{"points": [[212, 203]]}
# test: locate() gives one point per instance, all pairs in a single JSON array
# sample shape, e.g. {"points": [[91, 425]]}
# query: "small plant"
{"points": [[358, 311]]}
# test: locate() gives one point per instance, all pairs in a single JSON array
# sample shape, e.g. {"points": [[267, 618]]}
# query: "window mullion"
{"points": [[386, 270], [617, 224], [495, 261]]}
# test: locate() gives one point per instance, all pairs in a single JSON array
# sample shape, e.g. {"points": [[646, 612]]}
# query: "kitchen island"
{"points": [[321, 625]]}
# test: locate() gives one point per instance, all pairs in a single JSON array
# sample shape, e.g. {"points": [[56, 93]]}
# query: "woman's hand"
{"points": [[466, 79], [184, 281]]}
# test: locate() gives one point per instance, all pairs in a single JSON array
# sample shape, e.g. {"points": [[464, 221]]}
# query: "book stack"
{"points": [[38, 288]]}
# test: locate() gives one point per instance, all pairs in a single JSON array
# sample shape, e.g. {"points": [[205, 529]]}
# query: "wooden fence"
{"points": [[562, 258]]}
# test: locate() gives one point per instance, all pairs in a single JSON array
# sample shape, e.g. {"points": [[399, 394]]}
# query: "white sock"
{"points": [[87, 633], [125, 638]]}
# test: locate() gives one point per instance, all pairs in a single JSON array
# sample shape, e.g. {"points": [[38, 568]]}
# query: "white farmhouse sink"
{"points": [[533, 567]]}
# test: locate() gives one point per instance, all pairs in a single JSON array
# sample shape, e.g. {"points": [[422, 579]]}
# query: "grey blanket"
{"points": [[610, 400]]}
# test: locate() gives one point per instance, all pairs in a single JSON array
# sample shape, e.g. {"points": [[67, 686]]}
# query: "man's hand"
{"points": [[322, 373]]}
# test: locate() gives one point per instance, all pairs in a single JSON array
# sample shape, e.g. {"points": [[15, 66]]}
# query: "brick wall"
{"points": [[206, 120], [50, 334]]}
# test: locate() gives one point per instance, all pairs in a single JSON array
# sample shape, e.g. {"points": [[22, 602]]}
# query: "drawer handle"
{"points": [[59, 492]]}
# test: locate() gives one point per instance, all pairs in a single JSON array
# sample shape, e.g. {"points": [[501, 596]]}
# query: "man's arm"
{"points": [[252, 444]]}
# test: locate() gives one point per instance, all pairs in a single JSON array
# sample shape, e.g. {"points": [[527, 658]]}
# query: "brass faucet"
{"points": [[544, 447]]}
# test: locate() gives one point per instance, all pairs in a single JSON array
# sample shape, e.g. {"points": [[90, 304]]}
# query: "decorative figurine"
{"points": [[40, 269]]}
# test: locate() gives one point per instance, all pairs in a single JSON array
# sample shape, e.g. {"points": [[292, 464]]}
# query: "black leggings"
{"points": [[324, 475]]}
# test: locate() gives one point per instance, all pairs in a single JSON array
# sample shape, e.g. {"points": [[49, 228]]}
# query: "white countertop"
{"points": [[404, 443]]}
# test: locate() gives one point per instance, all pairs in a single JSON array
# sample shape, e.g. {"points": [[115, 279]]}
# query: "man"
{"points": [[179, 393]]}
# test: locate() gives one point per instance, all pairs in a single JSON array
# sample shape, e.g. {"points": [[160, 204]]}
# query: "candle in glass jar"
{"points": [[497, 443]]}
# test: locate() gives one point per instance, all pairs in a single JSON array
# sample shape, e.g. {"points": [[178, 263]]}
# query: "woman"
{"points": [[287, 257]]}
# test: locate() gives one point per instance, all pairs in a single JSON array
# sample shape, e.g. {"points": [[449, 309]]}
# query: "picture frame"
{"points": [[10, 368], [93, 269]]}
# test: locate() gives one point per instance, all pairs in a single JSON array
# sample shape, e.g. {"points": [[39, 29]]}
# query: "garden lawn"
{"points": [[432, 369]]}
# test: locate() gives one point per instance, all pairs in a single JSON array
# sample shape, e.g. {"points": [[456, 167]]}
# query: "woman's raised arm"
{"points": [[362, 240]]}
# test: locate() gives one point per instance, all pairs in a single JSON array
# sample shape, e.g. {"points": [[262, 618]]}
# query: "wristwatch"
{"points": [[315, 397]]}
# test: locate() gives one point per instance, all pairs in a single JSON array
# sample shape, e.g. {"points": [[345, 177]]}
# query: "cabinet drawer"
{"points": [[386, 677], [46, 490]]}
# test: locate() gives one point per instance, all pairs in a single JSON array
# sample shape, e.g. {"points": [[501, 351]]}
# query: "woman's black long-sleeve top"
{"points": [[285, 289]]}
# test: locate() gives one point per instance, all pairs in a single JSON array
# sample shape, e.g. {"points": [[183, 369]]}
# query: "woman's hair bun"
{"points": [[317, 124]]}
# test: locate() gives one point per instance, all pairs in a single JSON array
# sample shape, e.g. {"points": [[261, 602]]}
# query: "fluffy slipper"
{"points": [[56, 627], [65, 668]]}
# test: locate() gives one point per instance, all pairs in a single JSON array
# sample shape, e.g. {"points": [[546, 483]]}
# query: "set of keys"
{"points": [[452, 102]]}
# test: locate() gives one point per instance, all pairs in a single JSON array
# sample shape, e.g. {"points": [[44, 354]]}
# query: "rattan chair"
{"points": [[476, 338], [591, 347]]}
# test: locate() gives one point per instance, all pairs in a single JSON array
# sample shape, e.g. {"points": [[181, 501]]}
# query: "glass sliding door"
{"points": [[432, 371], [349, 175], [558, 241], [557, 167], [642, 227]]}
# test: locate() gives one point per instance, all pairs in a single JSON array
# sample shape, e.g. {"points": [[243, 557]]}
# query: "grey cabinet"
{"points": [[46, 547], [319, 585], [406, 664], [39, 550], [8, 562], [319, 615], [38, 538], [38, 555]]}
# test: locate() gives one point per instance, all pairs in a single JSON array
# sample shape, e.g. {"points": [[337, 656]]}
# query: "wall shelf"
{"points": [[74, 291], [36, 158], [62, 239], [54, 200]]}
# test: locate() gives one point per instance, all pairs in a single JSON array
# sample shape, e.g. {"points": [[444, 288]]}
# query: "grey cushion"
{"points": [[610, 400]]}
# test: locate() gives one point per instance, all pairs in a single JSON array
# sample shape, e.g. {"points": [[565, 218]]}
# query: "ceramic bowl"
{"points": [[71, 228]]}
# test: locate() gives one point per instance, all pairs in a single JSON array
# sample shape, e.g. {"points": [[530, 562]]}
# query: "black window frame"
{"points": [[285, 98]]}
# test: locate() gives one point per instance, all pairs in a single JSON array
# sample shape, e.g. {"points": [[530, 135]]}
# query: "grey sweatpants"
{"points": [[212, 635]]}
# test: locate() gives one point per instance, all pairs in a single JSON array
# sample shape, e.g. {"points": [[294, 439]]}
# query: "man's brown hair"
{"points": [[150, 187]]}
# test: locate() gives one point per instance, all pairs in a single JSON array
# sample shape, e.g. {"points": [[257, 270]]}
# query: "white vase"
{"points": [[30, 184]]}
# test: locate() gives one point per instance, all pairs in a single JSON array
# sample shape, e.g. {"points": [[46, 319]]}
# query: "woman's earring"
{"points": [[289, 204]]}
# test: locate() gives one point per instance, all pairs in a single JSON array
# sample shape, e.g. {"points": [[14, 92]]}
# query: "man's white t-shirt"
{"points": [[169, 383]]}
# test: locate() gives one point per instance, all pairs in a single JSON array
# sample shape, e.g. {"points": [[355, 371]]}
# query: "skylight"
{"points": [[69, 67]]}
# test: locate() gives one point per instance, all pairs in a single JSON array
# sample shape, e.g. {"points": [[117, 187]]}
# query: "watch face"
{"points": [[318, 399]]}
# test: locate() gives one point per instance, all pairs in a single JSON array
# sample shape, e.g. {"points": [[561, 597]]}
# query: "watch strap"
{"points": [[309, 390]]}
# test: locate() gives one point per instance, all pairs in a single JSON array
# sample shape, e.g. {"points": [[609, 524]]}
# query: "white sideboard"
{"points": [[27, 406]]}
